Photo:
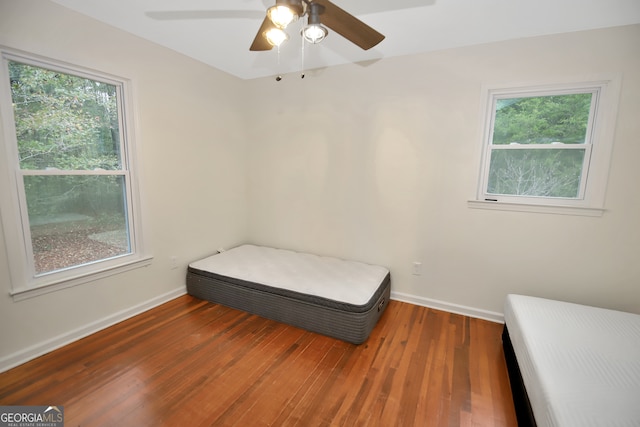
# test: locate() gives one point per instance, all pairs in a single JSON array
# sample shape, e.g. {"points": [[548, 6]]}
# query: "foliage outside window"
{"points": [[73, 179], [547, 146], [539, 145]]}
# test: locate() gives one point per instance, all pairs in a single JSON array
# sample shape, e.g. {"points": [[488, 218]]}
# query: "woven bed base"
{"points": [[347, 326]]}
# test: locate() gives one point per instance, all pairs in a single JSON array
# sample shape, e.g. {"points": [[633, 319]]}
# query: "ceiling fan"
{"points": [[320, 13]]}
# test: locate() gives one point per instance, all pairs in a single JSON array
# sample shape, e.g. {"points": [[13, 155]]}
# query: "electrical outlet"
{"points": [[417, 268], [173, 262]]}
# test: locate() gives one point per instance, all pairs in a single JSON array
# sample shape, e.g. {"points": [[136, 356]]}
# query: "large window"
{"points": [[74, 197], [548, 146]]}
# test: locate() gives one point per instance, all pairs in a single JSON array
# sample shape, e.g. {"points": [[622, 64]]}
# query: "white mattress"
{"points": [[351, 282], [580, 365]]}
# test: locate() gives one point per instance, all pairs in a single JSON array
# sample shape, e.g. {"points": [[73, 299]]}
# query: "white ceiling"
{"points": [[219, 32]]}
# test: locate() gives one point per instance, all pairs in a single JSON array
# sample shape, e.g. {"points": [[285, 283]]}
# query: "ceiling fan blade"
{"points": [[260, 42], [348, 26]]}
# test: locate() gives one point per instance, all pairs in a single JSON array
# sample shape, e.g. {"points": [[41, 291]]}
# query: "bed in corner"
{"points": [[335, 297], [572, 365]]}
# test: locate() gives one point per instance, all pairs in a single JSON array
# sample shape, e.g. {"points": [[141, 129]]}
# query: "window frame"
{"points": [[598, 146], [25, 283]]}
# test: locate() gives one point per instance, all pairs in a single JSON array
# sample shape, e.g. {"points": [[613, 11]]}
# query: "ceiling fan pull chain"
{"points": [[302, 59], [279, 77]]}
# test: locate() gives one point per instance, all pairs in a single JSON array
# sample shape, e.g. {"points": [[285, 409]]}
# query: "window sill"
{"points": [[20, 294], [522, 207]]}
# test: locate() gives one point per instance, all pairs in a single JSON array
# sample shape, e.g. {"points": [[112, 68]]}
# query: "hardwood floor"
{"points": [[193, 363]]}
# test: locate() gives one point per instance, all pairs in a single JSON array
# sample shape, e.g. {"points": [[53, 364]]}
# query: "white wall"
{"points": [[193, 177], [372, 162], [377, 163]]}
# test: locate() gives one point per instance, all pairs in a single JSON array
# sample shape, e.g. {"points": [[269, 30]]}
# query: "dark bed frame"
{"points": [[524, 413]]}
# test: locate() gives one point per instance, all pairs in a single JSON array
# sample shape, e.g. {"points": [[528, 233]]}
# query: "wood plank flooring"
{"points": [[193, 363]]}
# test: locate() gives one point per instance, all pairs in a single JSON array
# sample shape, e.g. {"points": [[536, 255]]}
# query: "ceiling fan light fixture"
{"points": [[314, 33], [281, 15], [317, 13], [276, 36]]}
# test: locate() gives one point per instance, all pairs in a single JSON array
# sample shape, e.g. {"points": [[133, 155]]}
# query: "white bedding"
{"points": [[332, 278], [580, 364]]}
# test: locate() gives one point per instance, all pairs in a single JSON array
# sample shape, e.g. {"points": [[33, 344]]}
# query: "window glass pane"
{"points": [[542, 119], [76, 220], [538, 173], [63, 121]]}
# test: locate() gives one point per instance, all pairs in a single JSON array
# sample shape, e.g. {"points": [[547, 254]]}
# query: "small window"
{"points": [[74, 188], [547, 146]]}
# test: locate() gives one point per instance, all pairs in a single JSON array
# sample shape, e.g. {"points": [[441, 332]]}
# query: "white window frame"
{"points": [[15, 221], [598, 146]]}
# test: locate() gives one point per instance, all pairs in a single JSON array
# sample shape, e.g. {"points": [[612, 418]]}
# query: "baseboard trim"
{"points": [[30, 353], [491, 316]]}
